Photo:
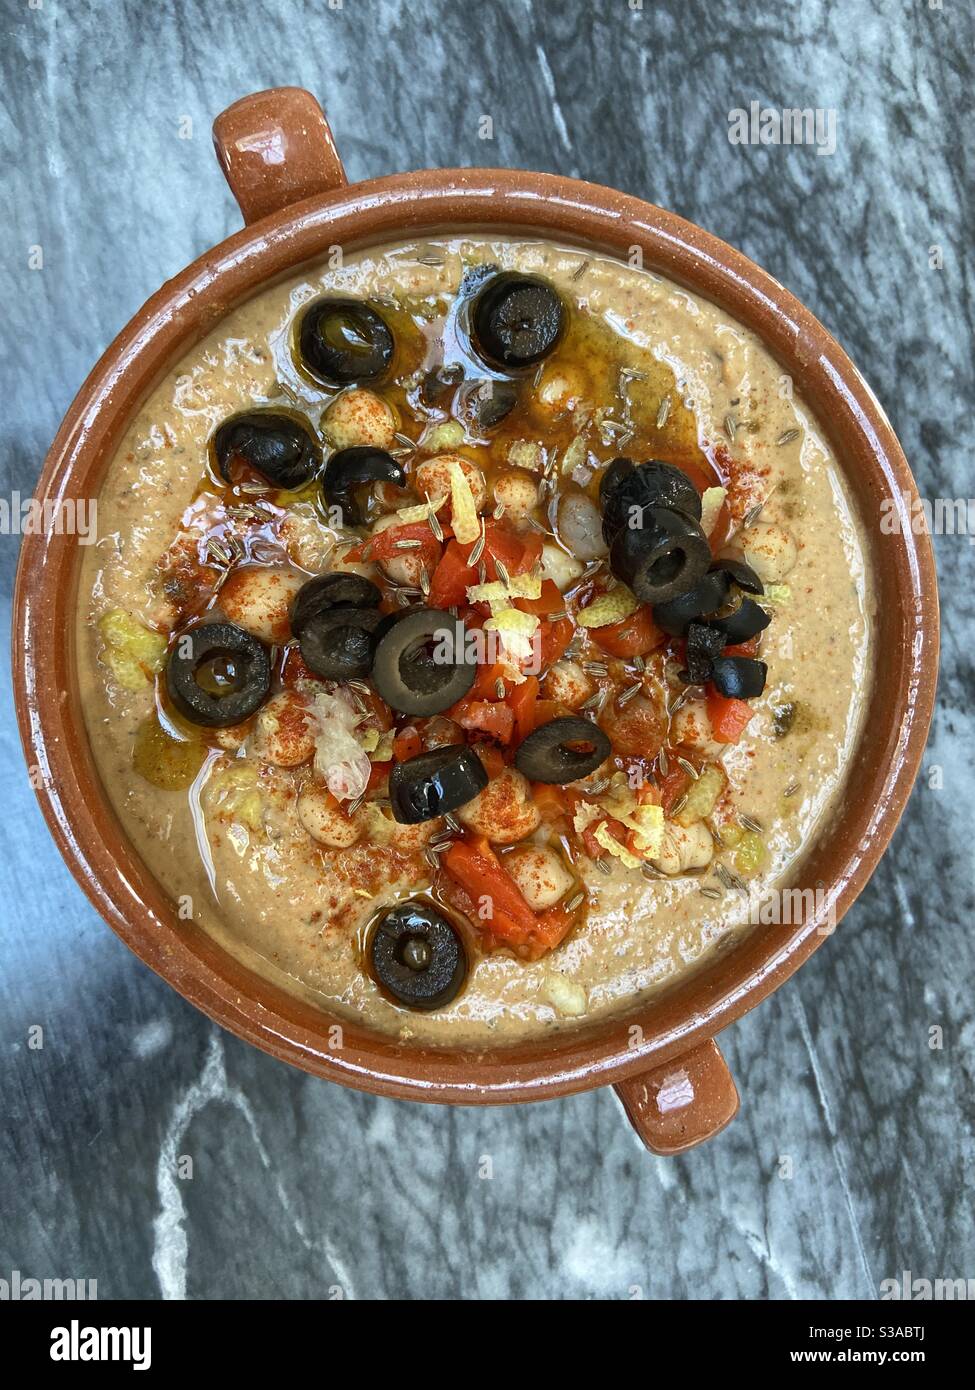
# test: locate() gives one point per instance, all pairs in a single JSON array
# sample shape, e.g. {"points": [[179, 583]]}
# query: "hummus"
{"points": [[276, 834]]}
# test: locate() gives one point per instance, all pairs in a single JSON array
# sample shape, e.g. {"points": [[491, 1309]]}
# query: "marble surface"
{"points": [[853, 1156]]}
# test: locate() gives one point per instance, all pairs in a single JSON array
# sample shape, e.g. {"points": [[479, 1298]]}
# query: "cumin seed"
{"points": [[788, 437], [747, 823], [663, 412]]}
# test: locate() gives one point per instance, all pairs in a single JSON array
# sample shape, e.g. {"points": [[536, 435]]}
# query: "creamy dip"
{"points": [[696, 389]]}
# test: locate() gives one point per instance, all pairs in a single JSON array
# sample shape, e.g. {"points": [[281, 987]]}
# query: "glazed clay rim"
{"points": [[75, 805]]}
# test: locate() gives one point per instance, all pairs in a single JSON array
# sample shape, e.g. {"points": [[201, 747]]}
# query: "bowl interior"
{"points": [[95, 844]]}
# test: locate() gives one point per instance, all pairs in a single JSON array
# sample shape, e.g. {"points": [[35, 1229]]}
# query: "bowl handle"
{"points": [[276, 148], [682, 1103]]}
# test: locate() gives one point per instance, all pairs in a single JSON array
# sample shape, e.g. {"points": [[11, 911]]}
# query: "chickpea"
{"points": [[540, 874], [309, 542], [560, 389], [684, 849], [504, 811], [770, 550], [404, 566], [359, 417], [364, 567], [324, 819], [231, 736], [691, 726], [284, 734], [432, 478], [567, 683], [518, 491], [389, 498], [581, 527], [259, 600], [563, 569], [407, 839]]}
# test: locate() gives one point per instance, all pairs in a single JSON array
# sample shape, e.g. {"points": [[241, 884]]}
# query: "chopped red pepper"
{"points": [[383, 545], [631, 636], [454, 574], [523, 700], [499, 906], [452, 577], [492, 758], [728, 717], [492, 717], [672, 788]]}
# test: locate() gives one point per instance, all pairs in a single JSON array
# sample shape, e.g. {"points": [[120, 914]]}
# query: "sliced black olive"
{"points": [[662, 558], [743, 575], [563, 750], [335, 590], [434, 783], [281, 447], [746, 621], [739, 677], [704, 643], [517, 320], [487, 403], [338, 643], [343, 341], [422, 664], [705, 597], [218, 674], [416, 956], [627, 486], [350, 468]]}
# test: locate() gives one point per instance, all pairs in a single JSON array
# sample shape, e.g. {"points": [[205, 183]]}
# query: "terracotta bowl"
{"points": [[278, 155]]}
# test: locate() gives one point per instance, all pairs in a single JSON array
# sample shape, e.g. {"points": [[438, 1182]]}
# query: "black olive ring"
{"points": [[348, 469], [627, 485], [516, 321], [337, 643], [343, 341], [280, 447], [416, 956], [662, 558], [338, 589], [739, 677], [548, 755], [247, 672], [415, 679], [435, 783]]}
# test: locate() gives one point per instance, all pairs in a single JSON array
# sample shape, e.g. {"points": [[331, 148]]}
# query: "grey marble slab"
{"points": [[298, 1187]]}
